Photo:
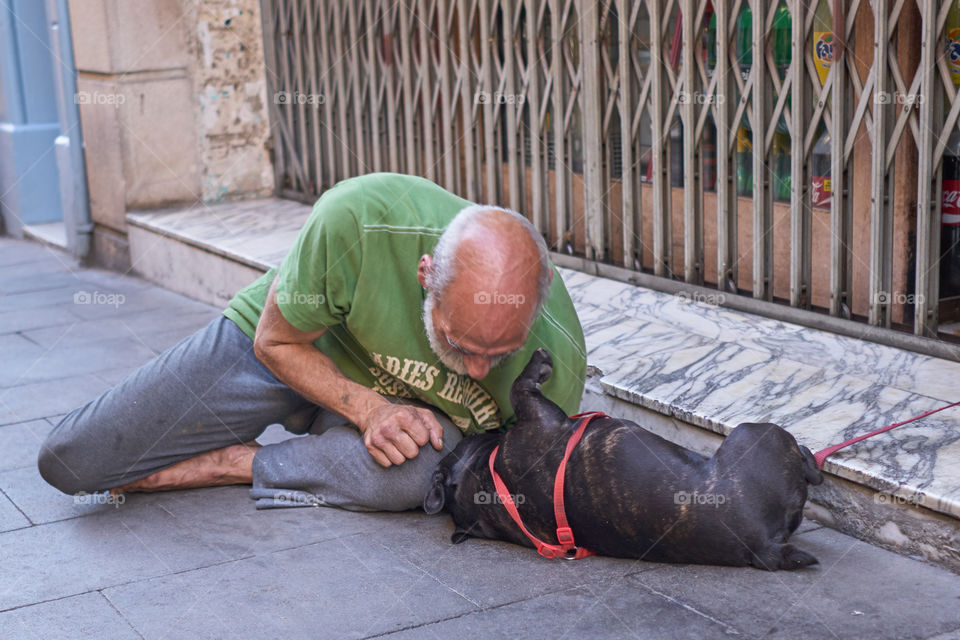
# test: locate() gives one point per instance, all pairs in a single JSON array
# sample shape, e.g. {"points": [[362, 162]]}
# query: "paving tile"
{"points": [[15, 252], [17, 353], [109, 547], [50, 397], [227, 518], [140, 326], [43, 298], [88, 615], [20, 443], [343, 588], [42, 503], [51, 279], [858, 591], [13, 275], [35, 318], [10, 518], [69, 362], [224, 517], [94, 302], [475, 568], [585, 612]]}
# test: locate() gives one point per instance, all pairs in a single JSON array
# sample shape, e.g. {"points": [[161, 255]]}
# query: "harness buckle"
{"points": [[547, 551], [565, 536]]}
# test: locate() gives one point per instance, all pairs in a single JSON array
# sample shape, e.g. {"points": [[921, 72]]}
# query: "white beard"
{"points": [[451, 358]]}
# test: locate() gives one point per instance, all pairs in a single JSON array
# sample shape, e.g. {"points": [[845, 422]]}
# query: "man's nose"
{"points": [[477, 366]]}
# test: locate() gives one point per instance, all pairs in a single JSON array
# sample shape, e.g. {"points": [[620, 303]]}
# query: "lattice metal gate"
{"points": [[692, 154]]}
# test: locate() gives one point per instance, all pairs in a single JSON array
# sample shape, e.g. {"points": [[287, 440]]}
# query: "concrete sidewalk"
{"points": [[206, 564]]}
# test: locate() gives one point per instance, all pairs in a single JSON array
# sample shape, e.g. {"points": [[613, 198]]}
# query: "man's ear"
{"points": [[435, 499], [424, 268]]}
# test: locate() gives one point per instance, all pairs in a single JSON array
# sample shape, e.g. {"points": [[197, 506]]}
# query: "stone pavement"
{"points": [[206, 564]]}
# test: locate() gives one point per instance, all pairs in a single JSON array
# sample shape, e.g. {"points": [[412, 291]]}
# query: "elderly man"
{"points": [[396, 324]]}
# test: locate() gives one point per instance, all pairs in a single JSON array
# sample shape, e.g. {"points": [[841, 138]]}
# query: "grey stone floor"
{"points": [[206, 564]]}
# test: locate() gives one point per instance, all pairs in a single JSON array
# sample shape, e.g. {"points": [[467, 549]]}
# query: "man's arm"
{"points": [[391, 432]]}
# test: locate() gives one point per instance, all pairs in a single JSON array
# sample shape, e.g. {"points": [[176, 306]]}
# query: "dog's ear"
{"points": [[459, 535], [435, 499]]}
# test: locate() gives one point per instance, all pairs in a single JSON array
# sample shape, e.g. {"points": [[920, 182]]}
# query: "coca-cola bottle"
{"points": [[821, 194], [950, 203], [950, 220]]}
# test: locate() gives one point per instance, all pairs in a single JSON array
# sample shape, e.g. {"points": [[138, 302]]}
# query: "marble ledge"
{"points": [[257, 233], [715, 368]]}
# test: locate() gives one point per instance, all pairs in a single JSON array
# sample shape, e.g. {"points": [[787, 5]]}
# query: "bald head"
{"points": [[488, 277], [496, 250]]}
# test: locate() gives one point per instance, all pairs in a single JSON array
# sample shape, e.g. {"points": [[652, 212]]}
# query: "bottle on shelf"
{"points": [[744, 160], [950, 198], [821, 195], [709, 145], [782, 54], [744, 147]]}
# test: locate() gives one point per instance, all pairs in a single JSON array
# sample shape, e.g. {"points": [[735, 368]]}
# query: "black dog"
{"points": [[630, 493]]}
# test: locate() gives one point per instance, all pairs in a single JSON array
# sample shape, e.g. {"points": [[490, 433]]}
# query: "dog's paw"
{"points": [[541, 365]]}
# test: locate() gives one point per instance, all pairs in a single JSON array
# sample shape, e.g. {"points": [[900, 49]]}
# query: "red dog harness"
{"points": [[566, 547]]}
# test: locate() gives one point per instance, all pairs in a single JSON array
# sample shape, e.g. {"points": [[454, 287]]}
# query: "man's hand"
{"points": [[394, 433]]}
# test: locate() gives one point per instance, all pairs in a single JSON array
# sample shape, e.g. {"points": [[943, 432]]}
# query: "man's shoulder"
{"points": [[391, 199]]}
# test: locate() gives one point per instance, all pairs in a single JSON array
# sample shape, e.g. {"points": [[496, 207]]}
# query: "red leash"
{"points": [[821, 455], [567, 546]]}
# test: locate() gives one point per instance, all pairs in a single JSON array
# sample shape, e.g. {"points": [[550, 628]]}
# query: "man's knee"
{"points": [[63, 463]]}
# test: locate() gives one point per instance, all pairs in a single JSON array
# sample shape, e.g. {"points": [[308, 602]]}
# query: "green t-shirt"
{"points": [[353, 271]]}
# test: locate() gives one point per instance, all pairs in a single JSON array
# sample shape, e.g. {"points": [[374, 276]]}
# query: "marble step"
{"points": [[688, 370], [210, 251]]}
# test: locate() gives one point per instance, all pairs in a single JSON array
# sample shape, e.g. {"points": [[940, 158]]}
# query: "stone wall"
{"points": [[172, 105]]}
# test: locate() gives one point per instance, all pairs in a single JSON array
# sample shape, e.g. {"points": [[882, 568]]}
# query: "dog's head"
{"points": [[457, 478]]}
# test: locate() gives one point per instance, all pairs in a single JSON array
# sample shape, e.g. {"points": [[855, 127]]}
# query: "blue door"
{"points": [[29, 122]]}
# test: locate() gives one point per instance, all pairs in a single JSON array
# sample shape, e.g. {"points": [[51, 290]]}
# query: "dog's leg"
{"points": [[782, 556], [811, 472], [529, 404]]}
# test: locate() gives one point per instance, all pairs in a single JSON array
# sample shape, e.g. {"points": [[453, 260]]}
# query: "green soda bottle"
{"points": [[782, 54], [744, 148]]}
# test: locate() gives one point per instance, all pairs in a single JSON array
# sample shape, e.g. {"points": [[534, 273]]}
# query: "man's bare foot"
{"points": [[230, 465]]}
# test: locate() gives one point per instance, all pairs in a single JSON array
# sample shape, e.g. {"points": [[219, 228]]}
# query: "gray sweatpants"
{"points": [[210, 391]]}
